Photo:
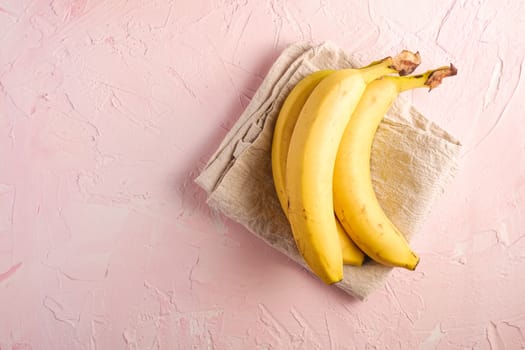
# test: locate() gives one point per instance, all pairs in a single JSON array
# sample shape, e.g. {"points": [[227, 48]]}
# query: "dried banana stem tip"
{"points": [[437, 76], [406, 62]]}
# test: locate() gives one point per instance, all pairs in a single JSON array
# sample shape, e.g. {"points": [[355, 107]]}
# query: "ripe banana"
{"points": [[355, 202], [311, 159], [352, 255], [285, 125], [283, 130]]}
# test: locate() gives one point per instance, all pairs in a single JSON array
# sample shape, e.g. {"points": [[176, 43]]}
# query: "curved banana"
{"points": [[311, 160], [282, 134], [355, 202], [284, 127]]}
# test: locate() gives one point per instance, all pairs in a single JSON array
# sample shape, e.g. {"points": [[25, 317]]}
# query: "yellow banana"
{"points": [[355, 202], [283, 130], [352, 255], [285, 125], [310, 165]]}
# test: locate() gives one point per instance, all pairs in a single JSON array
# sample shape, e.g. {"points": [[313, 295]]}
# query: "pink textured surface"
{"points": [[108, 110]]}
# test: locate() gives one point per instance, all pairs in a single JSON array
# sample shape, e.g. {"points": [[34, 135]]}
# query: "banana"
{"points": [[285, 125], [352, 255], [311, 159], [283, 130], [355, 202]]}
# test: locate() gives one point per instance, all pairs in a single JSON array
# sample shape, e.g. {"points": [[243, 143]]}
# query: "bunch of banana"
{"points": [[281, 141], [321, 163]]}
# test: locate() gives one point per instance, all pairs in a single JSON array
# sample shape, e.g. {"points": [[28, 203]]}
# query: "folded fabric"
{"points": [[412, 161]]}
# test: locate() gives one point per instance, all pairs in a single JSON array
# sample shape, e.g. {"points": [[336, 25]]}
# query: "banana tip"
{"points": [[437, 76], [413, 266], [406, 62]]}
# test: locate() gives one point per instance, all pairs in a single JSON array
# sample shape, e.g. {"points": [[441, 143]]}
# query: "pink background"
{"points": [[109, 109]]}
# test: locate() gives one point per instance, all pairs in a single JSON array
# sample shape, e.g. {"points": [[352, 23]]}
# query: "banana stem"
{"points": [[404, 63], [378, 69], [430, 79]]}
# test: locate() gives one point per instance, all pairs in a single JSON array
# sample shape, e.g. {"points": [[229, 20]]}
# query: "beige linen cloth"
{"points": [[412, 161]]}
